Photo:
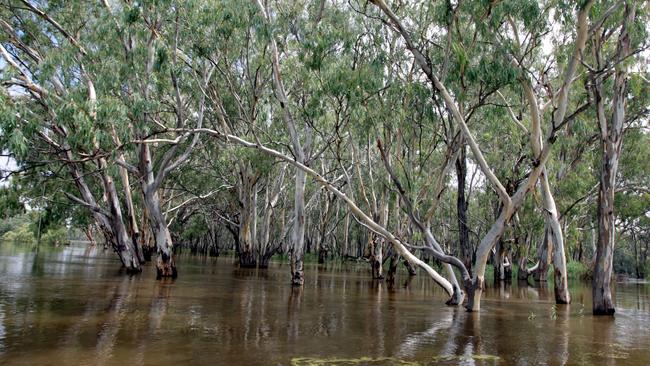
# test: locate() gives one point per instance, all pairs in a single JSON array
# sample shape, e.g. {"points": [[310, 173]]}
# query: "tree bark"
{"points": [[466, 252], [511, 204], [298, 235], [247, 249], [611, 133], [132, 226], [300, 152], [109, 222], [544, 257], [561, 282], [165, 263]]}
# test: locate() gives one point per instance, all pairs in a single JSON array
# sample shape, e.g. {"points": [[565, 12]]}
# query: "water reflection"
{"points": [[73, 307]]}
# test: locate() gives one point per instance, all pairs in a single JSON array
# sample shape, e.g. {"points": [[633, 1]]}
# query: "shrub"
{"points": [[578, 271], [20, 235], [55, 237], [13, 223]]}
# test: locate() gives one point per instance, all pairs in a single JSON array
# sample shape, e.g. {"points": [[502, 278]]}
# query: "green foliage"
{"points": [[12, 223], [21, 234], [578, 271], [55, 237], [10, 202], [350, 81]]}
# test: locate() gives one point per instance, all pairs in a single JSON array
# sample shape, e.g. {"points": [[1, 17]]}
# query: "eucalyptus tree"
{"points": [[613, 56], [166, 79], [510, 202], [55, 96], [318, 99], [301, 143]]}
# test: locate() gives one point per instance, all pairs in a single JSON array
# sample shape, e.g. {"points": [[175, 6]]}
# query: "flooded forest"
{"points": [[324, 182]]}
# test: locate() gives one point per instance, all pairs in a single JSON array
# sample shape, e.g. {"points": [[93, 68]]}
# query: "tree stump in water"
{"points": [[247, 260], [166, 266], [322, 255]]}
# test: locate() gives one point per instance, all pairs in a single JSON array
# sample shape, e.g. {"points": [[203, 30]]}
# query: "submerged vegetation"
{"points": [[466, 140]]}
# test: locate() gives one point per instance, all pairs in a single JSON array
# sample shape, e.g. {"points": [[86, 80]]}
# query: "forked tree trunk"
{"points": [[165, 263], [132, 226], [511, 203], [109, 222], [523, 272], [125, 246]]}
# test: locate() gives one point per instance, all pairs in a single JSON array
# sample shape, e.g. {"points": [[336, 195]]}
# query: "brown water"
{"points": [[72, 307]]}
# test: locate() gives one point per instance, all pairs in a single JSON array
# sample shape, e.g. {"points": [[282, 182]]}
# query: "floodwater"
{"points": [[73, 307]]}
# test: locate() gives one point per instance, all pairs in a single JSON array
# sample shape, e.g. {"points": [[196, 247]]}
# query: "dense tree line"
{"points": [[448, 135]]}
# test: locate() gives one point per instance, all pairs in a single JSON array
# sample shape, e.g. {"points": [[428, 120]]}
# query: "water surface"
{"points": [[73, 307]]}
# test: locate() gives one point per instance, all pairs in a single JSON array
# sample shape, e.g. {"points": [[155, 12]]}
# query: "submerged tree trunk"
{"points": [[511, 203], [267, 246], [132, 226], [392, 268], [300, 152], [497, 262], [147, 241], [125, 245], [109, 222], [543, 257], [247, 249], [165, 263], [377, 249], [561, 284], [466, 252], [523, 272], [298, 235], [611, 133]]}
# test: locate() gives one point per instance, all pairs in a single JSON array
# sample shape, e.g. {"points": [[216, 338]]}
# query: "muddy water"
{"points": [[72, 307]]}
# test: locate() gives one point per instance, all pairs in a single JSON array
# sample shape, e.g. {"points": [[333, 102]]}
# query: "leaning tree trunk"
{"points": [[611, 133], [125, 246], [119, 243], [110, 223], [132, 226], [511, 204]]}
